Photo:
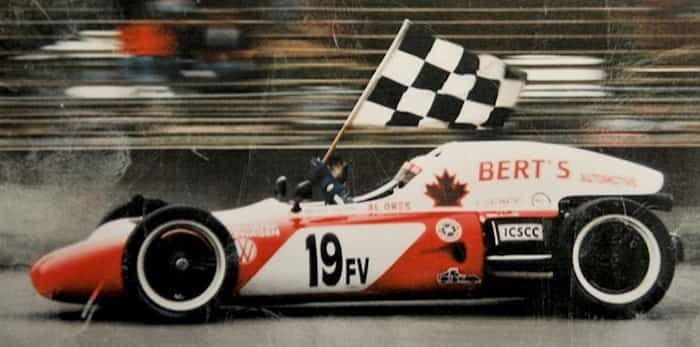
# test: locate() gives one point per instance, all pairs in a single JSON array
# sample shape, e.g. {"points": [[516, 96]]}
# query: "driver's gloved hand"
{"points": [[318, 169]]}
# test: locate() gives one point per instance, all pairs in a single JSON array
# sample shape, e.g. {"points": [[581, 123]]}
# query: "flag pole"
{"points": [[370, 87]]}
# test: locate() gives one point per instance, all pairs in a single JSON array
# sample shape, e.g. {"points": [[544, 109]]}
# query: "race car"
{"points": [[467, 219]]}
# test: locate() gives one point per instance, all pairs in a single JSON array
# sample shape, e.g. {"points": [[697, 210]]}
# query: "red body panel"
{"points": [[417, 269], [73, 272]]}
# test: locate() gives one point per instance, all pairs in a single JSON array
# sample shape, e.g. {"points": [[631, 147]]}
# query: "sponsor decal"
{"points": [[540, 200], [247, 250], [257, 230], [502, 202], [503, 170], [446, 191], [520, 232], [412, 168], [448, 230], [609, 179], [453, 277]]}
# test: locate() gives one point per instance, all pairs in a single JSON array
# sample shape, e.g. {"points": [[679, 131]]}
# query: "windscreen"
{"points": [[406, 173]]}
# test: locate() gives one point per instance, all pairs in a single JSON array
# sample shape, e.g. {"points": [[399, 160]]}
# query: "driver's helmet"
{"points": [[406, 173], [336, 160]]}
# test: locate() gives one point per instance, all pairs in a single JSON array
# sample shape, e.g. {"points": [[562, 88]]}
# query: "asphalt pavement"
{"points": [[26, 319]]}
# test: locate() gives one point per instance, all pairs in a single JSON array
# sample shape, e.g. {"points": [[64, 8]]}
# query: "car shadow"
{"points": [[435, 308]]}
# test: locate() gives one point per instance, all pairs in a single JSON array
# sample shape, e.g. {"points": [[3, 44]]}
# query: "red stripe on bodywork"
{"points": [[417, 268]]}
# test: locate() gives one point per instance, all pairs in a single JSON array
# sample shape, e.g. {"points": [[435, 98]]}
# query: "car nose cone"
{"points": [[43, 276], [71, 274]]}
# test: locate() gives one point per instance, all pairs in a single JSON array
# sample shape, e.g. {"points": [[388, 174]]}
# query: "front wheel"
{"points": [[179, 263], [619, 258]]}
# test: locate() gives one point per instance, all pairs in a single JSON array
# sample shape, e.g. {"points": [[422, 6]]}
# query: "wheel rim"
{"points": [[181, 265], [616, 258]]}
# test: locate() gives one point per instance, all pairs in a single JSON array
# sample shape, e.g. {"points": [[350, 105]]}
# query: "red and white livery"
{"points": [[466, 219]]}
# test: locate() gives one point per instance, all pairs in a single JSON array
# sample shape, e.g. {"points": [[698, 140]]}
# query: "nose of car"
{"points": [[51, 274], [72, 273], [43, 274]]}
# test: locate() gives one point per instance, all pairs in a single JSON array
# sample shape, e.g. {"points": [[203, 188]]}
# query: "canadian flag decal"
{"points": [[446, 191]]}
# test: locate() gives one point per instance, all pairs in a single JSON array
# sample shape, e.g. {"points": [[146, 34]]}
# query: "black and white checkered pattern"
{"points": [[431, 82]]}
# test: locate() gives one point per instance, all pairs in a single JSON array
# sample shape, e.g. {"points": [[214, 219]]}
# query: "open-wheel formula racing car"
{"points": [[459, 221]]}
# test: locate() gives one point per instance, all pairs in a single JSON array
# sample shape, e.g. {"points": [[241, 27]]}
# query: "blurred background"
{"points": [[206, 102]]}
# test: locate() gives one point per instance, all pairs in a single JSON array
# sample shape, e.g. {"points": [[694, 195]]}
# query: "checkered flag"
{"points": [[425, 81]]}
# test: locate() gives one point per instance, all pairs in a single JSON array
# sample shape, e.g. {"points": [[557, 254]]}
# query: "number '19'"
{"points": [[332, 259]]}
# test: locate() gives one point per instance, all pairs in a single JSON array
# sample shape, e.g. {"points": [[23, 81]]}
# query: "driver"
{"points": [[332, 176]]}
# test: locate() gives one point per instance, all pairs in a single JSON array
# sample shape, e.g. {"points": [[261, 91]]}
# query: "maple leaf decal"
{"points": [[446, 191]]}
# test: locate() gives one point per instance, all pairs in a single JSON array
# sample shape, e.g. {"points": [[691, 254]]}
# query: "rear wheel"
{"points": [[619, 258], [179, 263]]}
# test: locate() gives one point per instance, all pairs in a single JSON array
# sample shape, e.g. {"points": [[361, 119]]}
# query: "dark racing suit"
{"points": [[334, 189]]}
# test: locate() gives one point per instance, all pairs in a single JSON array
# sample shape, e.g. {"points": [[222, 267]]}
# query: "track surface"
{"points": [[29, 320]]}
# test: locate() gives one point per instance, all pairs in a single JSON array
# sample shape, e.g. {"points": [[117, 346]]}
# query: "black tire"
{"points": [[138, 206], [179, 263], [618, 259], [678, 248]]}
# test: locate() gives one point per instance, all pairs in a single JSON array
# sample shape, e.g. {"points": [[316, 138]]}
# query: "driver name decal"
{"points": [[389, 206]]}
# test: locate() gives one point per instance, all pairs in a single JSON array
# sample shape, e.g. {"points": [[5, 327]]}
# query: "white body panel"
{"points": [[371, 248], [498, 176], [505, 176], [264, 211]]}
